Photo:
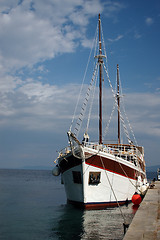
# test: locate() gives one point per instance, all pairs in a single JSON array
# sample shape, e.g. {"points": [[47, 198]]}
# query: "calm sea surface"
{"points": [[33, 206]]}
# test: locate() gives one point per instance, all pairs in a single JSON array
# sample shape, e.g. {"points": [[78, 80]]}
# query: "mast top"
{"points": [[100, 56]]}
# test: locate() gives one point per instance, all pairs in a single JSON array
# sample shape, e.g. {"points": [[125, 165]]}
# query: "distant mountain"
{"points": [[152, 168]]}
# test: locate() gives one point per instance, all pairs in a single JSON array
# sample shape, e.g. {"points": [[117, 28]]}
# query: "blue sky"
{"points": [[44, 48]]}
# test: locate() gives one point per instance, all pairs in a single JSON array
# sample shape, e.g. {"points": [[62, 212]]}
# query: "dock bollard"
{"points": [[125, 227]]}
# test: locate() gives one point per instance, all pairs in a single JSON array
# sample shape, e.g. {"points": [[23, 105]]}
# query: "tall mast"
{"points": [[118, 103], [100, 60]]}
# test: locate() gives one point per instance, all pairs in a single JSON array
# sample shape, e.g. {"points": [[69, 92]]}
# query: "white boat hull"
{"points": [[117, 183]]}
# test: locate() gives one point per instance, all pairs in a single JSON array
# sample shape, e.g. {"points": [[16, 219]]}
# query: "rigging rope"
{"points": [[89, 115], [103, 44], [83, 108], [126, 114], [84, 105], [83, 80], [126, 131], [107, 126], [96, 42], [114, 95]]}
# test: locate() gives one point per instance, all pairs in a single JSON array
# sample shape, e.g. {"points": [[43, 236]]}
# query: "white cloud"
{"points": [[41, 106], [143, 110], [93, 7], [116, 39], [149, 21], [87, 42], [137, 35], [112, 8], [79, 18], [26, 39], [8, 83], [33, 31], [158, 90], [37, 106], [7, 5], [30, 33]]}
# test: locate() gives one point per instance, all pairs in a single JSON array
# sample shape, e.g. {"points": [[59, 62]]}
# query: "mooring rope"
{"points": [[113, 191]]}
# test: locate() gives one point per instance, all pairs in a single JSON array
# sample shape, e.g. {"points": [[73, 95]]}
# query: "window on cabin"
{"points": [[94, 178], [77, 177]]}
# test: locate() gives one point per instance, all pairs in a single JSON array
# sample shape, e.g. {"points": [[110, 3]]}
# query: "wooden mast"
{"points": [[118, 103], [100, 60]]}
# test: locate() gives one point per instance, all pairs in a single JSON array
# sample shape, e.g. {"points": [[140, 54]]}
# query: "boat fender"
{"points": [[136, 199], [56, 171]]}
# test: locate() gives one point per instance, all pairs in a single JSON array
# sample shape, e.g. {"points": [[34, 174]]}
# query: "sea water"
{"points": [[33, 206]]}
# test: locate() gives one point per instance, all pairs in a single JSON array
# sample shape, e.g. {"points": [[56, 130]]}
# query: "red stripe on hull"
{"points": [[97, 206], [112, 166]]}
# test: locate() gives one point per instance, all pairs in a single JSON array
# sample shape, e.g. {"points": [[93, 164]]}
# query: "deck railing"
{"points": [[130, 153]]}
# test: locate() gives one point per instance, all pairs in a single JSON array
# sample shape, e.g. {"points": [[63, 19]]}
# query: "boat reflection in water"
{"points": [[77, 223], [70, 224]]}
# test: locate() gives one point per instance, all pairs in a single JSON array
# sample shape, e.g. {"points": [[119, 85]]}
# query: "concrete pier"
{"points": [[146, 222]]}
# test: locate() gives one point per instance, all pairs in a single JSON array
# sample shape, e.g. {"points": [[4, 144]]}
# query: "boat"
{"points": [[95, 174]]}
